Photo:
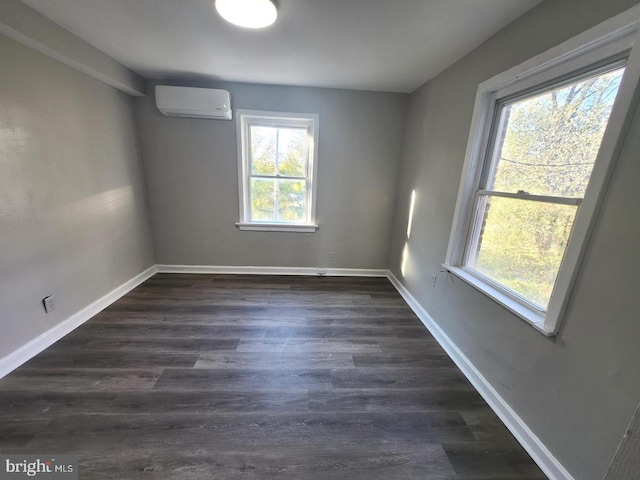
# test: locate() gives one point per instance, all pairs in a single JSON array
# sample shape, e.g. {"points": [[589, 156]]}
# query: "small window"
{"points": [[541, 147], [277, 165]]}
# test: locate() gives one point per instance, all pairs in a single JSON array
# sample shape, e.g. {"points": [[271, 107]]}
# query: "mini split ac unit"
{"points": [[193, 102]]}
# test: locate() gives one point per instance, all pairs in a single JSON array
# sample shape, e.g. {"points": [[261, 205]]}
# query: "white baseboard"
{"points": [[531, 443], [48, 338], [329, 272]]}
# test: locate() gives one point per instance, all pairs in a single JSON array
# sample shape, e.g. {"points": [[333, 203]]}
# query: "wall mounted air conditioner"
{"points": [[193, 102]]}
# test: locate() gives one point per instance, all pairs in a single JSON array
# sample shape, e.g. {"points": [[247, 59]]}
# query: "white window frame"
{"points": [[613, 39], [309, 121]]}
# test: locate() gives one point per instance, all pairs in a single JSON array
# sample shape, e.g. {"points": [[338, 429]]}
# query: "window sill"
{"points": [[529, 315], [277, 227]]}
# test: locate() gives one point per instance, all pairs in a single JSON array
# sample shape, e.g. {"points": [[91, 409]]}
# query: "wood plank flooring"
{"points": [[257, 377]]}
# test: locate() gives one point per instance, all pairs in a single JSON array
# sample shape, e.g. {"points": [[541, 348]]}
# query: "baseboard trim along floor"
{"points": [[237, 270], [48, 338], [529, 441]]}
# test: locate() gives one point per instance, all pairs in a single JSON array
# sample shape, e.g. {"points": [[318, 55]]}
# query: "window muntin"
{"points": [[541, 154], [277, 169]]}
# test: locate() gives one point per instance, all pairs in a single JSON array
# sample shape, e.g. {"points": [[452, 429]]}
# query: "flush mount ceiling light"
{"points": [[247, 13]]}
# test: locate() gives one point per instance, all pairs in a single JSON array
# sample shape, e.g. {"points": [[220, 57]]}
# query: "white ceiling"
{"points": [[386, 45]]}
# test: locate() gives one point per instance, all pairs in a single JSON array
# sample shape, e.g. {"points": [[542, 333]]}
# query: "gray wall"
{"points": [[577, 391], [192, 180], [73, 220]]}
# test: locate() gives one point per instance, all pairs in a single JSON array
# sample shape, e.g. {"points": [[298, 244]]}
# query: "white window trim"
{"points": [[243, 119], [611, 38]]}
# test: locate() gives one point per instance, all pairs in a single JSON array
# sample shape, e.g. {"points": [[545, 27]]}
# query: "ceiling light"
{"points": [[247, 13]]}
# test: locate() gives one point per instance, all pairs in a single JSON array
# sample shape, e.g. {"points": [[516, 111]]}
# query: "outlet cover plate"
{"points": [[49, 303]]}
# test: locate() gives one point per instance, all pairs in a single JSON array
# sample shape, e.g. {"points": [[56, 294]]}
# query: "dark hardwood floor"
{"points": [[257, 377]]}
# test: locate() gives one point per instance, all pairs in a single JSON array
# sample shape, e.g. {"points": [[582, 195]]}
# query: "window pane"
{"points": [[520, 244], [292, 152], [263, 150], [547, 144], [262, 199], [278, 200], [291, 200]]}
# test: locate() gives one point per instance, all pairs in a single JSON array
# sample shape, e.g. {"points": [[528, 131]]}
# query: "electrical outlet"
{"points": [[49, 303], [434, 279]]}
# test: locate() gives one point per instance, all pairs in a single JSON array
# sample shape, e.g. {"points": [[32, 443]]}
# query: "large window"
{"points": [[277, 164], [543, 149], [541, 134]]}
